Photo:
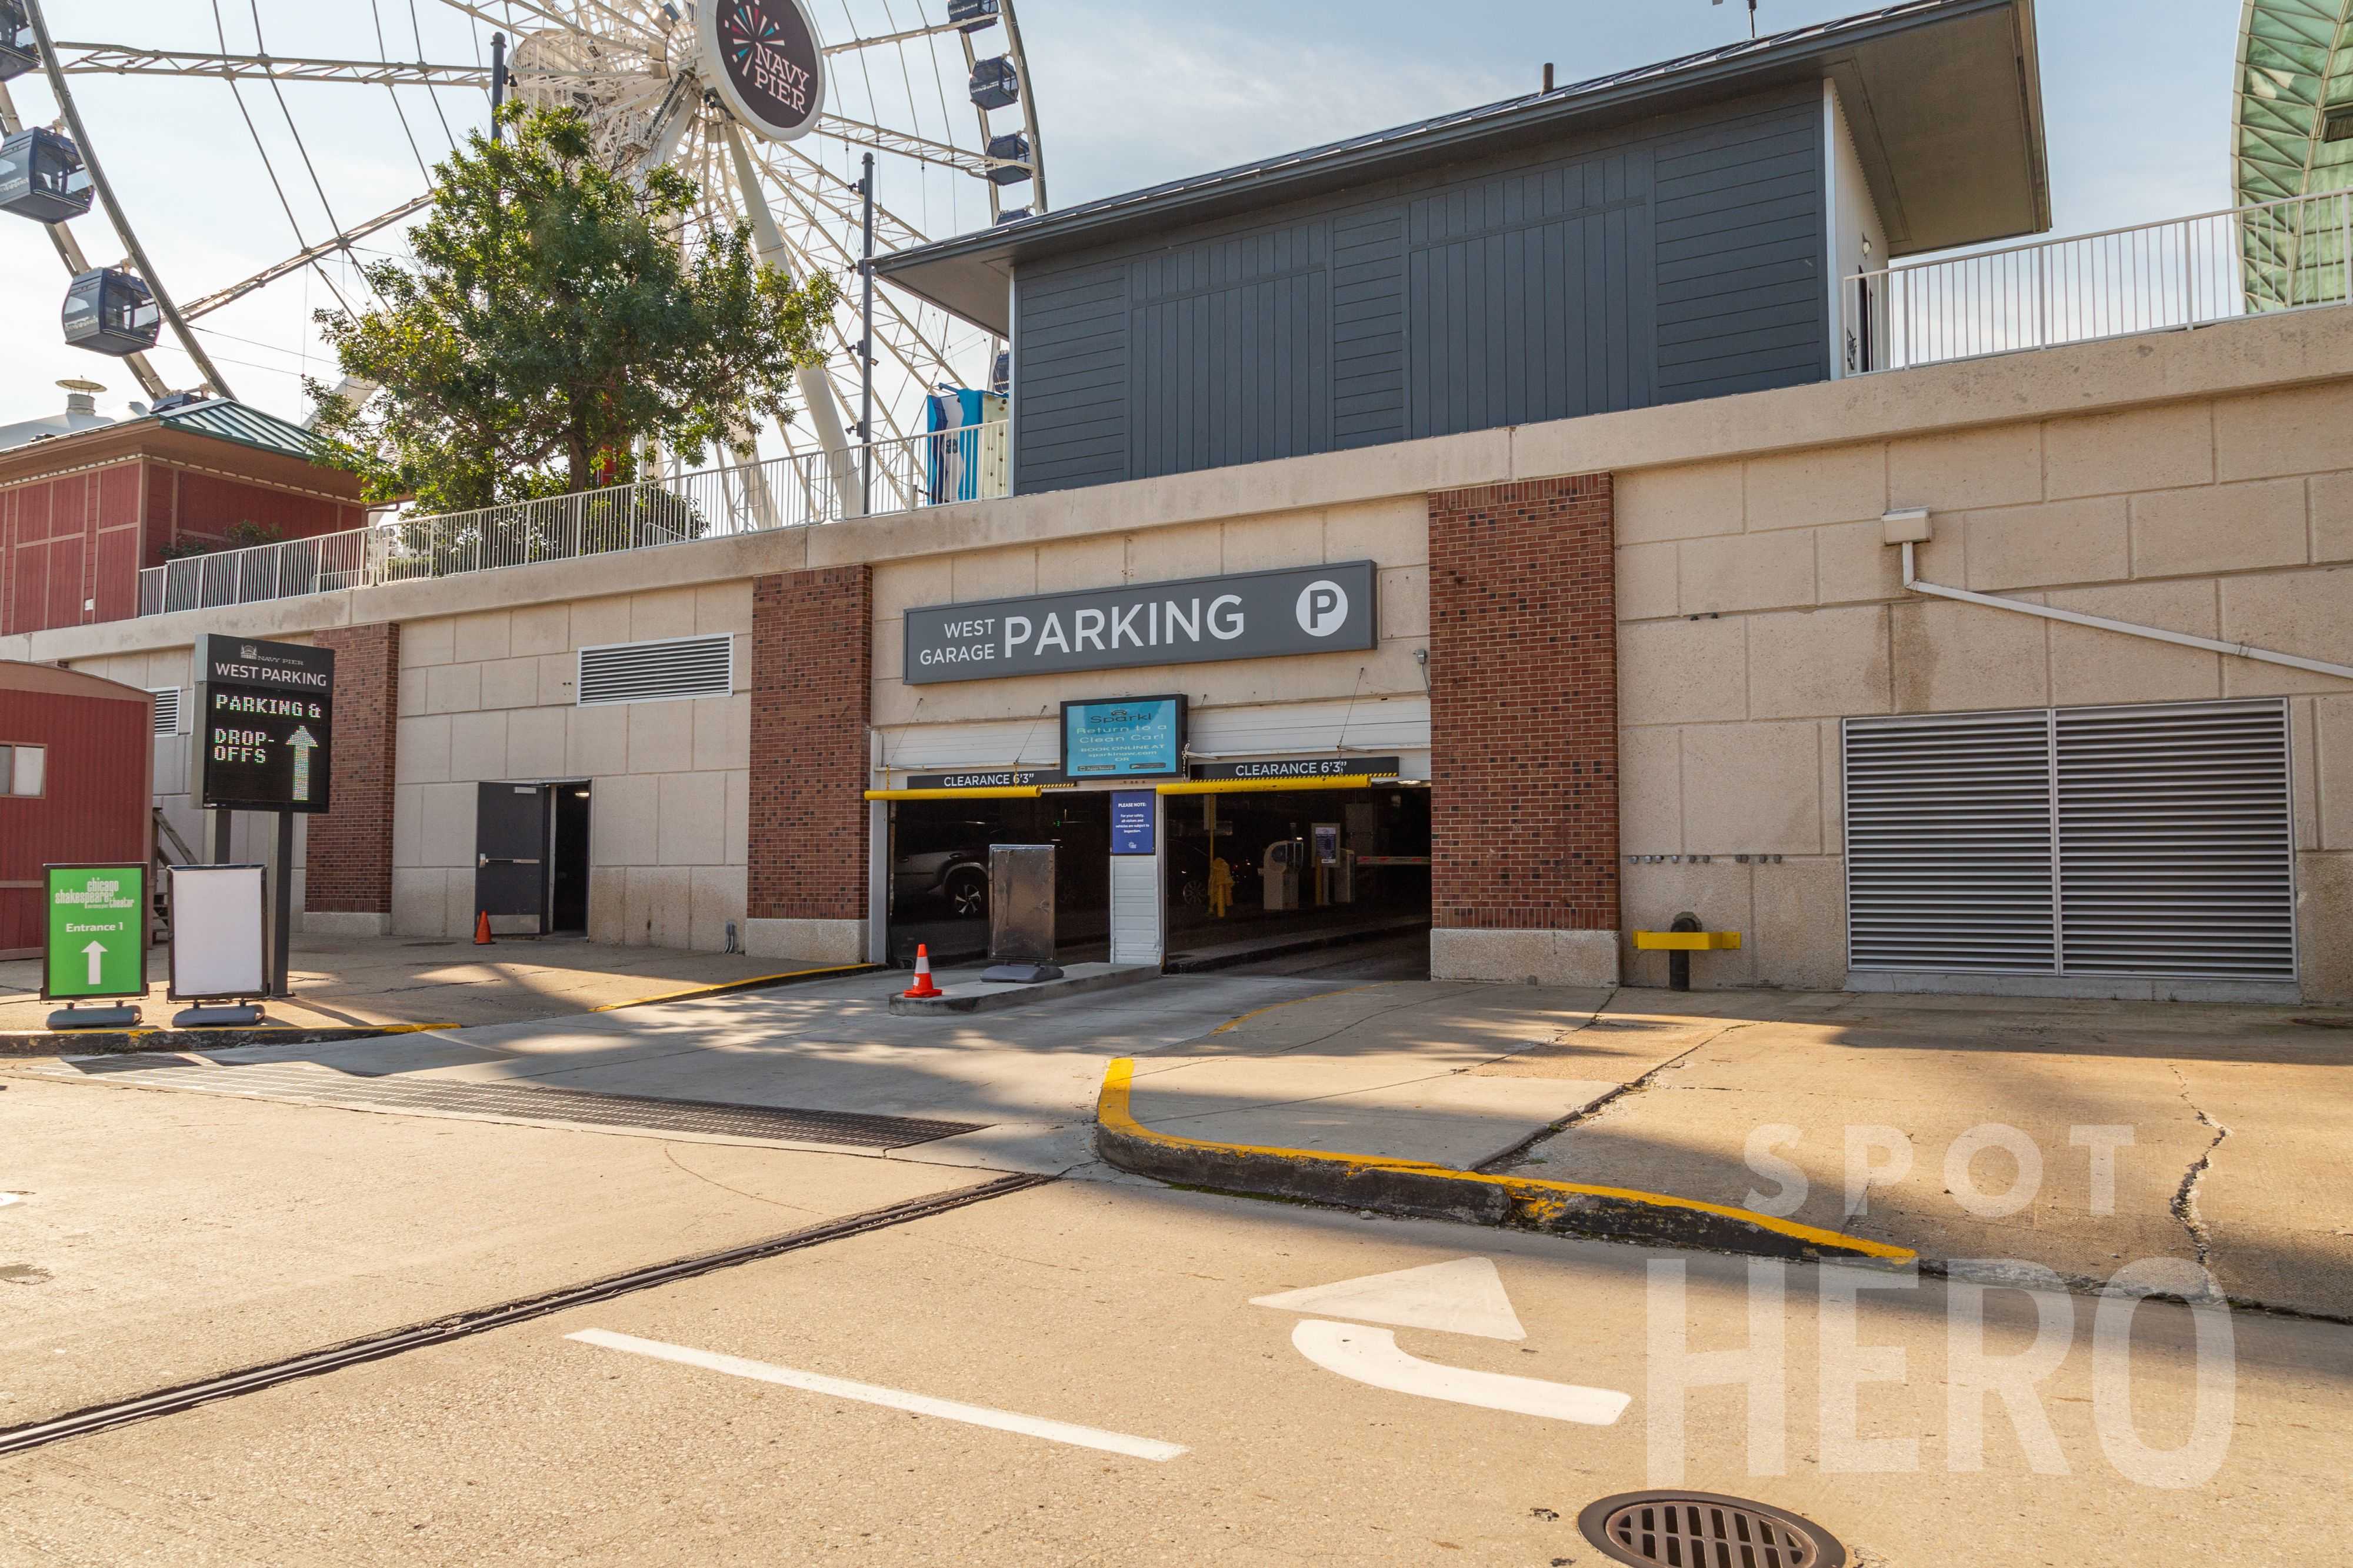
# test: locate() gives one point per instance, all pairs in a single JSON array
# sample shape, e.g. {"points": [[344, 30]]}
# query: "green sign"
{"points": [[97, 943]]}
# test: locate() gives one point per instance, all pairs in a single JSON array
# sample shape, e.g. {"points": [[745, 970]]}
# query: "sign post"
{"points": [[94, 943], [268, 734]]}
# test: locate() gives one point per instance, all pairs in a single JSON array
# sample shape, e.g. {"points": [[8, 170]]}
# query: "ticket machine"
{"points": [[1279, 872]]}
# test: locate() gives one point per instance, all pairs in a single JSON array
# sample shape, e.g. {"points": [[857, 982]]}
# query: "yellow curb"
{"points": [[750, 985], [1540, 1204]]}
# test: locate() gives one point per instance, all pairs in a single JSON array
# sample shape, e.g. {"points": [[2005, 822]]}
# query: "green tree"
{"points": [[550, 323]]}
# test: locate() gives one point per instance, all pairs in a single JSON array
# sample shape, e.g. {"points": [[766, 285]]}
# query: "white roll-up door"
{"points": [[2152, 840]]}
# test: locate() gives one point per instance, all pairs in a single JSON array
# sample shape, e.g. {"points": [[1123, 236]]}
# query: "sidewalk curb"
{"points": [[996, 1000], [118, 1042], [1422, 1190]]}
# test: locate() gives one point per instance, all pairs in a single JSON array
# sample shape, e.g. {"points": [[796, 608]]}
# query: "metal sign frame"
{"points": [[49, 908], [171, 985], [1175, 770], [282, 675]]}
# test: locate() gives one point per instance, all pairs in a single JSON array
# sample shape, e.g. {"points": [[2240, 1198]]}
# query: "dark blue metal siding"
{"points": [[1679, 259]]}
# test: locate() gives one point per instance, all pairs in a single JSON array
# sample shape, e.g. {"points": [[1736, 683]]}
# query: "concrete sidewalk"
{"points": [[362, 981], [2077, 1137]]}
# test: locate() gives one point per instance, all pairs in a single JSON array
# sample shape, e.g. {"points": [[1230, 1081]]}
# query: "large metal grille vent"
{"points": [[2148, 841], [657, 671], [167, 710], [1948, 843], [2176, 842]]}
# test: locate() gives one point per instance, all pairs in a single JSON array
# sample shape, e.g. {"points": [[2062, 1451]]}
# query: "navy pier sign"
{"points": [[266, 718], [1199, 620]]}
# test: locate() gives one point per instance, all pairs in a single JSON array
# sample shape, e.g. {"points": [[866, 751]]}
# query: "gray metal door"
{"points": [[511, 853]]}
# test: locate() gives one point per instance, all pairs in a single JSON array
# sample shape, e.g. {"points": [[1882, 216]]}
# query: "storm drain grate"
{"points": [[312, 1084], [1700, 1530]]}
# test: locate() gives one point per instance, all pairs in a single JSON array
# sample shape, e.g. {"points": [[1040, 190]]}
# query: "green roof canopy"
{"points": [[2293, 136]]}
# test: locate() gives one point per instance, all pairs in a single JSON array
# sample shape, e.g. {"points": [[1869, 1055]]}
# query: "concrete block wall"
{"points": [[1758, 606], [490, 697]]}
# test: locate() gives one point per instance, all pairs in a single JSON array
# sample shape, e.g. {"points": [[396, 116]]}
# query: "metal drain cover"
{"points": [[1700, 1530]]}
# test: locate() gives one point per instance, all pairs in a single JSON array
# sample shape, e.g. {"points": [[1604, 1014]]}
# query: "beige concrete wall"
{"points": [[1759, 606], [490, 697], [1375, 699]]}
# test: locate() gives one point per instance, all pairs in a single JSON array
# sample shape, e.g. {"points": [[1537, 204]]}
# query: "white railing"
{"points": [[903, 475], [2279, 256]]}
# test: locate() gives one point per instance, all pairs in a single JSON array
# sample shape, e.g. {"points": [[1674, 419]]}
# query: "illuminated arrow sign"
{"points": [[302, 743], [96, 953], [1464, 1297]]}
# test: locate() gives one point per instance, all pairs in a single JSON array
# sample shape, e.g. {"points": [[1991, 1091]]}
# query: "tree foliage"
{"points": [[550, 324]]}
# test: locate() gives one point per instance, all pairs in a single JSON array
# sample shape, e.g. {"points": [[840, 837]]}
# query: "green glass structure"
{"points": [[2292, 138]]}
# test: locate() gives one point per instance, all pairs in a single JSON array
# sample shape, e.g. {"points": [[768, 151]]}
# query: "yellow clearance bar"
{"points": [[1007, 792], [1687, 941], [1254, 787]]}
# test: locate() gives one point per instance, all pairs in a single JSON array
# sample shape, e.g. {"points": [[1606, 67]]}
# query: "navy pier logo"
{"points": [[771, 60]]}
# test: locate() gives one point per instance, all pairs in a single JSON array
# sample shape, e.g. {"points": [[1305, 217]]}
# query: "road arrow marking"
{"points": [[1464, 1297], [302, 740], [1371, 1356], [889, 1398], [96, 952]]}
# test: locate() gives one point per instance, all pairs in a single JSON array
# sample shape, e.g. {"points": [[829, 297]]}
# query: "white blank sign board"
{"points": [[216, 932]]}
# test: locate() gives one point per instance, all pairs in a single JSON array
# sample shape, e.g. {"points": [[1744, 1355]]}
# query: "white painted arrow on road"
{"points": [[1464, 1297]]}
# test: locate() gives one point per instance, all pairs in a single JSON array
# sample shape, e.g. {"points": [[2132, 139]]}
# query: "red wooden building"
{"points": [[81, 514], [76, 785]]}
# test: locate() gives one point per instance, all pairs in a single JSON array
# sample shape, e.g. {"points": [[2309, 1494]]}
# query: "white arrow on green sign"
{"points": [[96, 930]]}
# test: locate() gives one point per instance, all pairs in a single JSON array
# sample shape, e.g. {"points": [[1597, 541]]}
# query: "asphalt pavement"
{"points": [[1081, 1375]]}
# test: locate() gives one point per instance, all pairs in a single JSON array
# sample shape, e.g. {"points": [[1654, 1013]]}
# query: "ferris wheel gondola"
{"points": [[708, 88]]}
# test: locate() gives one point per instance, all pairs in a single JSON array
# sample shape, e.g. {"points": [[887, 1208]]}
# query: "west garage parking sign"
{"points": [[268, 714], [1247, 615]]}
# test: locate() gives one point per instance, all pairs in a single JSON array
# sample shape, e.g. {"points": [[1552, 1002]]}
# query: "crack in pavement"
{"points": [[2185, 1198], [1594, 1107]]}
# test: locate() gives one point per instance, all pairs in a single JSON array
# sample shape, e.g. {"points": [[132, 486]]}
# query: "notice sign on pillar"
{"points": [[267, 724], [1131, 821], [96, 935]]}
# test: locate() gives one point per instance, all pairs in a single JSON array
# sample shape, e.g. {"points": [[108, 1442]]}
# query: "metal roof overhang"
{"points": [[1945, 98]]}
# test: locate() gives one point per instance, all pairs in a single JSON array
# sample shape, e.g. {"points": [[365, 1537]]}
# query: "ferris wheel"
{"points": [[775, 111]]}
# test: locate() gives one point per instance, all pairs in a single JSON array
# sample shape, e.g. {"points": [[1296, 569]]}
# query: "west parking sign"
{"points": [[266, 713]]}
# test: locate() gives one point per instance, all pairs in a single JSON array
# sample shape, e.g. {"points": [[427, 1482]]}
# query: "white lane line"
{"points": [[1371, 1356], [890, 1398], [8, 1198]]}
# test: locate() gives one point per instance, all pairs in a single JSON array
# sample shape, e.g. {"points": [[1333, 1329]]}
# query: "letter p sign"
{"points": [[1323, 608]]}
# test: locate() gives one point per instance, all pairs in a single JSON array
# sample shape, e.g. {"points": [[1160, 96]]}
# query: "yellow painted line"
{"points": [[1538, 1199], [1687, 941], [726, 985], [1254, 787], [146, 1029], [1009, 792], [1296, 1001]]}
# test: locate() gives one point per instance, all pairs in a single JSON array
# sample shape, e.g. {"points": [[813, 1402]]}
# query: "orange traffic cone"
{"points": [[923, 986], [483, 929]]}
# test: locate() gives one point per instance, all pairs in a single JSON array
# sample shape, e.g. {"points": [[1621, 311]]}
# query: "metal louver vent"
{"points": [[2176, 842], [1948, 843], [167, 710], [657, 671], [2153, 840]]}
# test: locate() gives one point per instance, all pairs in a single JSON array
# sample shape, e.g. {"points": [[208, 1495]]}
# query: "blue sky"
{"points": [[2137, 93]]}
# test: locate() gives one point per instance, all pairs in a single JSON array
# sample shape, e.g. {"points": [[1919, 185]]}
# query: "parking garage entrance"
{"points": [[939, 890], [1265, 869]]}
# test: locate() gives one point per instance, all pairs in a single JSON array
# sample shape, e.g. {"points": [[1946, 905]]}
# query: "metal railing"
{"points": [[2188, 272], [903, 475]]}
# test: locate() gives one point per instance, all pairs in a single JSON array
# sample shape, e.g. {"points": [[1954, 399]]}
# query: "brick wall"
{"points": [[348, 858], [1523, 707], [812, 668]]}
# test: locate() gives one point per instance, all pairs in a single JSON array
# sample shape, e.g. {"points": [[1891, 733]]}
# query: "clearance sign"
{"points": [[266, 717], [1249, 615]]}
